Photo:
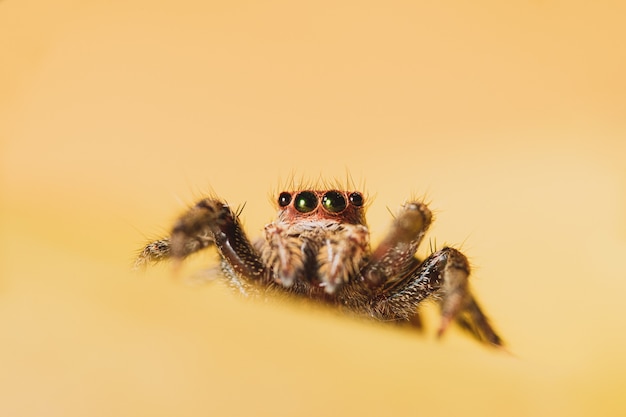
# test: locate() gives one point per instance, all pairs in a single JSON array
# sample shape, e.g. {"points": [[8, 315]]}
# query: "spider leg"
{"points": [[161, 249], [153, 252], [444, 275], [394, 256], [473, 320], [208, 222]]}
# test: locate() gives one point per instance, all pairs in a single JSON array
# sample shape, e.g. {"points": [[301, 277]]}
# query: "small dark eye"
{"points": [[284, 199], [356, 199], [334, 201], [305, 202]]}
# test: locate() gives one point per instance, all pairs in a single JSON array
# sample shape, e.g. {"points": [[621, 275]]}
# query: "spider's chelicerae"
{"points": [[318, 247]]}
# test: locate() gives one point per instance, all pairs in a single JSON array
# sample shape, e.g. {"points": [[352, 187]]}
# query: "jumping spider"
{"points": [[318, 247]]}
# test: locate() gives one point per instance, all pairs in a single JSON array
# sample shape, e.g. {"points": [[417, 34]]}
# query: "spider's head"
{"points": [[341, 206]]}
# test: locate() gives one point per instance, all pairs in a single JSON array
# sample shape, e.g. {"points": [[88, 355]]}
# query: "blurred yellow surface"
{"points": [[509, 117]]}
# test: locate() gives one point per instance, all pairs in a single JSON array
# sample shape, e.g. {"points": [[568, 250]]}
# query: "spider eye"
{"points": [[334, 201], [305, 202], [356, 199], [284, 199]]}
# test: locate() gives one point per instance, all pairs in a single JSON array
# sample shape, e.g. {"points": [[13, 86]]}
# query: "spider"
{"points": [[318, 247]]}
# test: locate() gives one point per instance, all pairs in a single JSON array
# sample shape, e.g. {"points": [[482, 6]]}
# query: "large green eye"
{"points": [[334, 201], [305, 202]]}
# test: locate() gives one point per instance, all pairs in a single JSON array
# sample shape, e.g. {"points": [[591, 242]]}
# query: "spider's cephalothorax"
{"points": [[319, 242], [318, 247]]}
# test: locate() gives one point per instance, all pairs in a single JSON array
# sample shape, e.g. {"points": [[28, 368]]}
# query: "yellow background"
{"points": [[508, 116]]}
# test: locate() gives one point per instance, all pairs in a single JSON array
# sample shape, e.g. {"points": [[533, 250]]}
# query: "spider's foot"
{"points": [[455, 275], [413, 220], [152, 253], [458, 304]]}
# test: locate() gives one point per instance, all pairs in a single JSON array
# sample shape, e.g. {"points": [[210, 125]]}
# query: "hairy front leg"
{"points": [[198, 237], [208, 222], [395, 255], [161, 250], [152, 253]]}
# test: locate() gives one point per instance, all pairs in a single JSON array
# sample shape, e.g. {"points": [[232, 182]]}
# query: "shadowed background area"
{"points": [[114, 116]]}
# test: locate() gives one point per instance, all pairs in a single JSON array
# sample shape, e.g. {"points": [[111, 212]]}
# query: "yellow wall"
{"points": [[114, 116]]}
